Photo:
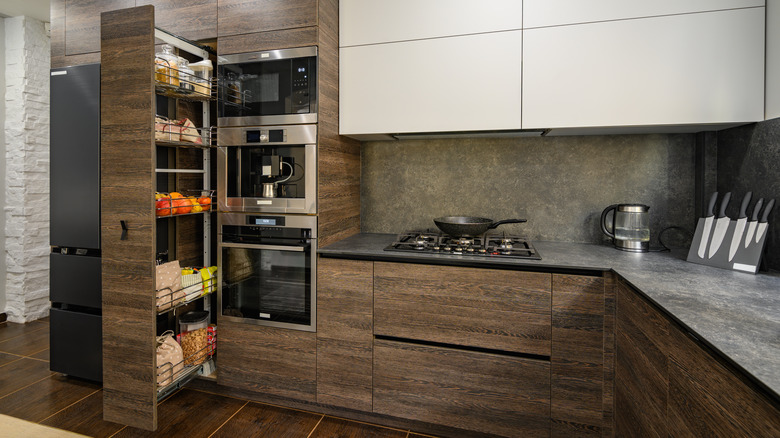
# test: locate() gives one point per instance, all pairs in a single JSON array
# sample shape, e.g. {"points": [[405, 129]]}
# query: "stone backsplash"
{"points": [[560, 184]]}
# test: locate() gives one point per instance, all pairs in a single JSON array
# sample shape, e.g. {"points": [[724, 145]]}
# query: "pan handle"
{"points": [[506, 221]]}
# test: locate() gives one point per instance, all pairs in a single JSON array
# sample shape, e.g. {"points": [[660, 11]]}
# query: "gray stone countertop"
{"points": [[735, 313]]}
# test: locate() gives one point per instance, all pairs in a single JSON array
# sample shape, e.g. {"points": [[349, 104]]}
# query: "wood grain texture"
{"points": [[82, 23], [504, 310], [20, 373], [271, 40], [127, 188], [331, 427], [189, 413], [45, 398], [193, 19], [251, 16], [81, 59], [27, 343], [84, 417], [345, 291], [266, 359], [608, 391], [641, 367], [577, 358], [259, 420], [338, 180], [10, 330], [57, 33], [706, 398], [502, 395]]}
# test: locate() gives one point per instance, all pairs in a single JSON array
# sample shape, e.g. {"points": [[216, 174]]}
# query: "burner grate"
{"points": [[486, 245]]}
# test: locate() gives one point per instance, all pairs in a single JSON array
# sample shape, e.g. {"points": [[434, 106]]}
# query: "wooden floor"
{"points": [[29, 391]]}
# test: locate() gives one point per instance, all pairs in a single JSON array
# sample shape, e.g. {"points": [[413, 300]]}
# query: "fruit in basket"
{"points": [[205, 202], [175, 195], [163, 205], [159, 195], [181, 205]]}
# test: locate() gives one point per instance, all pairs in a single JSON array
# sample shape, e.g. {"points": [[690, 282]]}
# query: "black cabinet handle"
{"points": [[124, 230]]}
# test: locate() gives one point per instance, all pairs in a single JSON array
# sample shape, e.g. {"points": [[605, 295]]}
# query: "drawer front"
{"points": [[506, 396], [502, 310]]}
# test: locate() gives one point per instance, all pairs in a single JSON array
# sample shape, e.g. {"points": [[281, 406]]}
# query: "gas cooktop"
{"points": [[497, 245]]}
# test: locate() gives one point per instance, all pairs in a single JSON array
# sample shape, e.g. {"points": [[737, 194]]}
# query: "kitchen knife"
{"points": [[705, 235], [753, 221], [762, 224], [721, 224], [740, 227]]}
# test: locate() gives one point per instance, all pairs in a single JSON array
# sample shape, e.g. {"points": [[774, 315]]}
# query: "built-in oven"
{"points": [[267, 270], [268, 88], [269, 169]]}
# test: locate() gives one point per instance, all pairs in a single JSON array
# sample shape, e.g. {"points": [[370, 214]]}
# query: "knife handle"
{"points": [[744, 206], [767, 210], [711, 205], [724, 203], [757, 209]]}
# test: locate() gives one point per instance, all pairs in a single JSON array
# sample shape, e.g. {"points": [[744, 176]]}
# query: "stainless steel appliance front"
{"points": [[267, 270], [268, 88], [268, 169]]}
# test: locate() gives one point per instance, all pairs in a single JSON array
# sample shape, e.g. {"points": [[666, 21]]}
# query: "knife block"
{"points": [[745, 259]]}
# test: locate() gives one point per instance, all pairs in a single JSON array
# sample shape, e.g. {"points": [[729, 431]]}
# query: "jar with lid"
{"points": [[185, 75], [167, 66], [202, 76], [193, 327]]}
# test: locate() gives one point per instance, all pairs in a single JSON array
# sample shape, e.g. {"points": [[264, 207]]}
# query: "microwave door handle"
{"points": [[269, 247]]}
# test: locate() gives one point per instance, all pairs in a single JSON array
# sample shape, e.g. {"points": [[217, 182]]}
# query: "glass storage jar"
{"points": [[167, 66]]}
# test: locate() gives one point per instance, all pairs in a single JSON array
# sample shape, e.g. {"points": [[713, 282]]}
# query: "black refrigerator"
{"points": [[75, 280]]}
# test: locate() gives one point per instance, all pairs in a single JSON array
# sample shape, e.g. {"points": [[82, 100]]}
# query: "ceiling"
{"points": [[38, 9]]}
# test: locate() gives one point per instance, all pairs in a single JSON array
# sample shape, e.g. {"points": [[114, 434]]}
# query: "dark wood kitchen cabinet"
{"points": [[485, 308], [478, 391], [582, 355], [345, 333], [82, 23], [668, 383], [268, 360], [193, 19], [252, 16]]}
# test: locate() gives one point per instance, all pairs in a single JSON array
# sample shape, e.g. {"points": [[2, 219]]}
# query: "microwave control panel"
{"points": [[266, 136]]}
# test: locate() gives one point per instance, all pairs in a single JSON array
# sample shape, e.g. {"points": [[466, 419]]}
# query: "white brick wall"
{"points": [[27, 169]]}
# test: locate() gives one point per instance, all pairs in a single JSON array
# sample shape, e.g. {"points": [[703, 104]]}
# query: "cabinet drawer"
{"points": [[502, 310], [502, 395]]}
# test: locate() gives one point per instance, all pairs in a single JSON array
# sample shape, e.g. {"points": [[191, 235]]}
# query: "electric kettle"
{"points": [[630, 226]]}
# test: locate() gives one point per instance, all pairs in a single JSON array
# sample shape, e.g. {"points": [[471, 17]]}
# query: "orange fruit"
{"points": [[205, 202], [175, 195], [181, 206]]}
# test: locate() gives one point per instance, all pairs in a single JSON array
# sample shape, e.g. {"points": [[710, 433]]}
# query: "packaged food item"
{"points": [[209, 275], [167, 66], [160, 124], [189, 133], [212, 338], [170, 359], [202, 76], [191, 282], [194, 337]]}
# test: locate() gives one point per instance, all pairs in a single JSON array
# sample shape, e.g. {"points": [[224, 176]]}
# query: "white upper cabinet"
{"points": [[772, 59], [696, 68], [457, 83], [540, 13], [381, 21]]}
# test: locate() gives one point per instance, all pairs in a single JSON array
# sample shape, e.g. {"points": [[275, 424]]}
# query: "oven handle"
{"points": [[269, 247]]}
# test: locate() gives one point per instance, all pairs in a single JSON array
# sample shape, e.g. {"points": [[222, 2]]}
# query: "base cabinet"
{"points": [[668, 384], [502, 395]]}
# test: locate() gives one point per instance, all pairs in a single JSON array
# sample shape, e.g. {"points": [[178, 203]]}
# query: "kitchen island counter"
{"points": [[736, 314]]}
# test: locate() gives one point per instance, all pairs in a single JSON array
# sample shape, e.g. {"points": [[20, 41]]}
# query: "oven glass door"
{"points": [[255, 89], [268, 283]]}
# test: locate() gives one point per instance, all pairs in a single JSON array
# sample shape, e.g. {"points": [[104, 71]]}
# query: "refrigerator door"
{"points": [[75, 280], [76, 341], [75, 156]]}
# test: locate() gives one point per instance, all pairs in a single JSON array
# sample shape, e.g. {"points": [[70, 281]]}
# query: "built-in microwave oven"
{"points": [[267, 169], [267, 270], [268, 88]]}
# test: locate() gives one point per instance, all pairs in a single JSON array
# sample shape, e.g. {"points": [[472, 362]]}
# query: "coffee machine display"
{"points": [[630, 230]]}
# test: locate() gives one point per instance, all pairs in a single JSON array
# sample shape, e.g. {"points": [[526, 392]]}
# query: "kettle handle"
{"points": [[604, 221]]}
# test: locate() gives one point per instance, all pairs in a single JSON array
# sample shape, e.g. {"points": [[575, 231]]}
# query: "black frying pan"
{"points": [[458, 226]]}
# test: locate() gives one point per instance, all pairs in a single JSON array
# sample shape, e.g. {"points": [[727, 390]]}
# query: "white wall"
{"points": [[27, 62], [2, 162]]}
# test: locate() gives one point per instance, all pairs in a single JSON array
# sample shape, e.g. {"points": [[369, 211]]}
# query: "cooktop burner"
{"points": [[487, 245]]}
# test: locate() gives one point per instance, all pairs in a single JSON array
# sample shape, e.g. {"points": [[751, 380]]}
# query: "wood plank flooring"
{"points": [[29, 391]]}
